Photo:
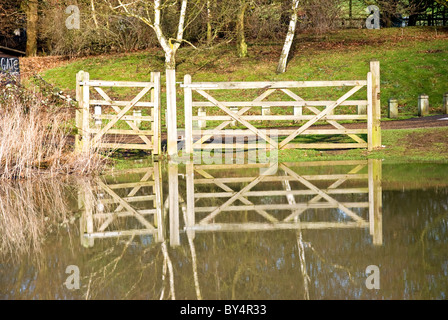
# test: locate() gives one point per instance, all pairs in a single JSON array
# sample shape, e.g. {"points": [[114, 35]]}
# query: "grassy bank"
{"points": [[413, 61], [401, 145]]}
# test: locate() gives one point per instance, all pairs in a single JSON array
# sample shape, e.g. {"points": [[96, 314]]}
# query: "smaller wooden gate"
{"points": [[98, 127]]}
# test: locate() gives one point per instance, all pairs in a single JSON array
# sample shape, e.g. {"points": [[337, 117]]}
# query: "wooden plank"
{"points": [[281, 178], [79, 111], [120, 233], [283, 117], [320, 103], [253, 226], [376, 104], [126, 132], [158, 190], [131, 185], [141, 146], [280, 206], [85, 114], [123, 214], [131, 199], [272, 84], [228, 146], [188, 111], [121, 103], [369, 111], [375, 201], [171, 111], [274, 193], [326, 163], [104, 83], [157, 126], [325, 145], [125, 118]]}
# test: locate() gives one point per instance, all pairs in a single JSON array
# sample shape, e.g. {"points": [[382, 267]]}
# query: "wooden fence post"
{"points": [[78, 112], [445, 103], [190, 198], [173, 203], [423, 105], [155, 98], [188, 103], [85, 97], [375, 200], [393, 109], [171, 120], [202, 113], [375, 112], [362, 110]]}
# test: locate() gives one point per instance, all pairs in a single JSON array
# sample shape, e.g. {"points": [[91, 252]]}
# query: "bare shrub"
{"points": [[35, 137], [320, 16]]}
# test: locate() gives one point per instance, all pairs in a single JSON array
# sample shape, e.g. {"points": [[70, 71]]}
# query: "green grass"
{"points": [[401, 145], [413, 61]]}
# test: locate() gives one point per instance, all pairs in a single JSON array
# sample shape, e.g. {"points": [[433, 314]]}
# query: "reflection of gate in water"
{"points": [[107, 207], [299, 196], [277, 202]]}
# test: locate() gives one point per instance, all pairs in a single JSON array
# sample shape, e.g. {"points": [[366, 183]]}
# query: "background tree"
{"points": [[289, 37], [31, 27]]}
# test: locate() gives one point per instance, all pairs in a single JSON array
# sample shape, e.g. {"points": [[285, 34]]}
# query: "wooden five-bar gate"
{"points": [[237, 112], [101, 126]]}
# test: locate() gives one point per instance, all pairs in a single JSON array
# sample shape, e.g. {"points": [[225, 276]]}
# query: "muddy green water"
{"points": [[299, 231]]}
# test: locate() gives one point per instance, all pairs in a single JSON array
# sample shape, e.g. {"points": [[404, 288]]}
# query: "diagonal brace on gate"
{"points": [[118, 110], [319, 116], [317, 111], [123, 111], [237, 117]]}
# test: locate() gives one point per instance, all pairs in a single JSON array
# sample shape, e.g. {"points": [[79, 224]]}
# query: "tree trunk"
{"points": [[289, 38], [240, 38], [209, 23], [31, 28]]}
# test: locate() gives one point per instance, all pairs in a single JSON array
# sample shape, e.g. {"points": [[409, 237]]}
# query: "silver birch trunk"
{"points": [[289, 38]]}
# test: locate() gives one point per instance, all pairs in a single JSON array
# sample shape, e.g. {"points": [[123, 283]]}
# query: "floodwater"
{"points": [[292, 231]]}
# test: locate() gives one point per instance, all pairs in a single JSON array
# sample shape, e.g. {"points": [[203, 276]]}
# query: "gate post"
{"points": [[155, 98], [85, 104], [171, 120], [188, 103], [374, 114], [375, 200], [78, 111]]}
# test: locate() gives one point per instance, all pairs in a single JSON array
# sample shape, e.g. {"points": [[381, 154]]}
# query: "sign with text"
{"points": [[9, 65]]}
